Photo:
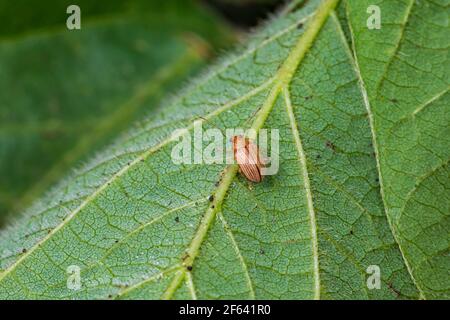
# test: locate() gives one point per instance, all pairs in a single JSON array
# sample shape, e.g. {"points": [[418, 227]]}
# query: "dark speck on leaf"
{"points": [[330, 145], [308, 97], [394, 100], [217, 183], [177, 219], [351, 231], [261, 251], [318, 156], [116, 241], [393, 289], [24, 250], [212, 206], [189, 268], [300, 25], [211, 198]]}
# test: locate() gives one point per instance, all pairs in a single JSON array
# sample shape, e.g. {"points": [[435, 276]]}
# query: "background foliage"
{"points": [[66, 94], [364, 153]]}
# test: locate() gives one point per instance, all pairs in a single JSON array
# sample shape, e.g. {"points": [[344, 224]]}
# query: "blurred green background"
{"points": [[66, 94]]}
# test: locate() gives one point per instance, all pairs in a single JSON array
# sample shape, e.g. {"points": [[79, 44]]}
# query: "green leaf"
{"points": [[405, 69], [139, 226], [67, 93]]}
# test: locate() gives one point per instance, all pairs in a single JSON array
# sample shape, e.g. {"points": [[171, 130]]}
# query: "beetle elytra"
{"points": [[247, 156]]}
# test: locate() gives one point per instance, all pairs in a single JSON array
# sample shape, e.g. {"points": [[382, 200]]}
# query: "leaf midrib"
{"points": [[142, 157], [164, 142], [282, 80], [247, 53]]}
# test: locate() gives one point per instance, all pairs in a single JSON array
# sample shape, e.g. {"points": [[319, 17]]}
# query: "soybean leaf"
{"points": [[137, 225], [405, 71], [66, 93]]}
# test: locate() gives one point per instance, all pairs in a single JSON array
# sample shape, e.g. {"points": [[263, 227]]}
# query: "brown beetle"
{"points": [[247, 156]]}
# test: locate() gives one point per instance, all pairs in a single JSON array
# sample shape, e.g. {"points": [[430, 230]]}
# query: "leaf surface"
{"points": [[405, 69], [65, 94], [139, 226]]}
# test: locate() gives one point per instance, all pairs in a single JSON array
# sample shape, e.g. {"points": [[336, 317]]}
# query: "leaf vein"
{"points": [[353, 58], [307, 186]]}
